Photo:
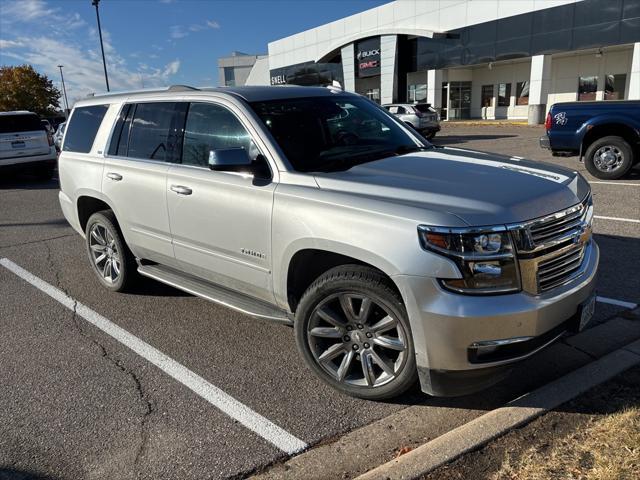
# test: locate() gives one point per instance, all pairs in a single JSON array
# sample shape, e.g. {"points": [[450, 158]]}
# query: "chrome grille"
{"points": [[557, 270], [551, 249]]}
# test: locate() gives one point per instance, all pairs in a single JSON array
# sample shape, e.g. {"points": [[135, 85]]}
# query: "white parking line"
{"points": [[615, 183], [619, 303], [219, 399], [617, 219]]}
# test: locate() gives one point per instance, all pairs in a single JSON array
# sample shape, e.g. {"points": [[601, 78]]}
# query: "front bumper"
{"points": [[445, 325]]}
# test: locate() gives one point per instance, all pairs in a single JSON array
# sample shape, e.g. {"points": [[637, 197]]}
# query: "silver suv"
{"points": [[421, 116], [394, 260]]}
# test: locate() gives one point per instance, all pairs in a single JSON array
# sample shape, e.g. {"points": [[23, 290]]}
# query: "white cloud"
{"points": [[10, 44], [27, 10], [177, 31], [171, 68], [213, 24]]}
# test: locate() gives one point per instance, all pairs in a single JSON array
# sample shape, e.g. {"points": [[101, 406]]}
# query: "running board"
{"points": [[214, 293]]}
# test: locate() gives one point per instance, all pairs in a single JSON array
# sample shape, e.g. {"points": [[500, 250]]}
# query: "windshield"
{"points": [[322, 134]]}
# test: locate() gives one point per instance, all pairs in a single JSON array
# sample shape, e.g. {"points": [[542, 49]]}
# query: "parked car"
{"points": [[606, 135], [394, 260], [421, 116], [58, 136], [47, 125], [25, 144]]}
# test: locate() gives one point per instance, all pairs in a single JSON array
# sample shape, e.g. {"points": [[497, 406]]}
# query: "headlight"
{"points": [[484, 256]]}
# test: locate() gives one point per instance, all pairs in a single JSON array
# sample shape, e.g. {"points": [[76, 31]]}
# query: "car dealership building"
{"points": [[472, 58]]}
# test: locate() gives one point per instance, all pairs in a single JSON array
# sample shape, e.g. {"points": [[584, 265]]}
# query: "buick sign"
{"points": [[368, 57]]}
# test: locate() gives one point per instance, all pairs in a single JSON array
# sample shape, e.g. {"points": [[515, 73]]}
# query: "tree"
{"points": [[22, 88]]}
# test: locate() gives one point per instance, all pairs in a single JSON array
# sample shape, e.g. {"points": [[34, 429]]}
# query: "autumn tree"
{"points": [[22, 88]]}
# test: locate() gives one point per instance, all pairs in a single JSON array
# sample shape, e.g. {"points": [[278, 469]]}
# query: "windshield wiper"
{"points": [[402, 149]]}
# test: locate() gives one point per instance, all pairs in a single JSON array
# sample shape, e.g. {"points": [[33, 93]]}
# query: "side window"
{"points": [[212, 127], [120, 137], [402, 110], [82, 128], [393, 110], [149, 136]]}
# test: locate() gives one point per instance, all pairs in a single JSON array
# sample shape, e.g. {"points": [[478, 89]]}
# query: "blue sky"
{"points": [[151, 42]]}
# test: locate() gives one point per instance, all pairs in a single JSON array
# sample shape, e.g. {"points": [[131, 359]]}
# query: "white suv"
{"points": [[25, 144]]}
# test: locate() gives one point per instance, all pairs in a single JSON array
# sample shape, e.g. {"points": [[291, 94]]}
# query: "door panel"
{"points": [[222, 229], [139, 197]]}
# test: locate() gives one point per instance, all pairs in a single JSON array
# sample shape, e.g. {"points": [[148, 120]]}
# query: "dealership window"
{"points": [[522, 93], [417, 92], [587, 87], [487, 95], [373, 94], [504, 94], [229, 76], [614, 86]]}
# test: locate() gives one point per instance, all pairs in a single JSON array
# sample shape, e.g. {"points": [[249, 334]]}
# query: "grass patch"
{"points": [[607, 448]]}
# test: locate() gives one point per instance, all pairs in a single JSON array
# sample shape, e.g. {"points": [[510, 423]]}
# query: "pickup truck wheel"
{"points": [[609, 158], [353, 332], [111, 259]]}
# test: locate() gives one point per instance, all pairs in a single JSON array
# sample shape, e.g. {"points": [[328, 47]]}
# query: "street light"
{"points": [[66, 102], [104, 62]]}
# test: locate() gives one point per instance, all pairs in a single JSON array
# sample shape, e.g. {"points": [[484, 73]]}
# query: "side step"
{"points": [[217, 294]]}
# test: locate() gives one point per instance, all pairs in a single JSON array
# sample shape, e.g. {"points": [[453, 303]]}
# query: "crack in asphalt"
{"points": [[36, 241], [142, 396], [588, 354]]}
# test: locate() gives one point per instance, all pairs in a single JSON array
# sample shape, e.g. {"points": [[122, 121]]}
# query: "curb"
{"points": [[478, 432]]}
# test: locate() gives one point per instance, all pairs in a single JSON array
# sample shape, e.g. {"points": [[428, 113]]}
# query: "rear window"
{"points": [[82, 128], [20, 123], [423, 107]]}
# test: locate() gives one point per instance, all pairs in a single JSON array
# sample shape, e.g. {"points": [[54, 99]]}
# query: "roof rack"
{"points": [[172, 88]]}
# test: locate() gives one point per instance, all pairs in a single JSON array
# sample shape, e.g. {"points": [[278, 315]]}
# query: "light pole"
{"points": [[64, 90], [104, 62]]}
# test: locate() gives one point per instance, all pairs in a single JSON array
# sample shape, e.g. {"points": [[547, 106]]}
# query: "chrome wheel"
{"points": [[608, 158], [104, 253], [357, 340]]}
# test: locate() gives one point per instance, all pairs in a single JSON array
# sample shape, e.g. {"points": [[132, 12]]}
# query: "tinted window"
{"points": [[522, 93], [120, 137], [212, 127], [82, 128], [333, 133], [487, 96], [504, 94], [149, 136], [587, 87], [614, 86], [19, 123]]}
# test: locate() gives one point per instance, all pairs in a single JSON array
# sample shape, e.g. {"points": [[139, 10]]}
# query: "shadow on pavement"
{"points": [[19, 181], [13, 474]]}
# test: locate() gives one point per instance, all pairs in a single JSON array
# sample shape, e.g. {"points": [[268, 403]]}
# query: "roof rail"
{"points": [[181, 88]]}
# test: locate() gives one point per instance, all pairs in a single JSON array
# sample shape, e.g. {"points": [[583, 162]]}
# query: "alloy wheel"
{"points": [[104, 253], [357, 340]]}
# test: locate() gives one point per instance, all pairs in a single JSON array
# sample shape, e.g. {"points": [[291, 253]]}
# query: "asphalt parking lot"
{"points": [[78, 403]]}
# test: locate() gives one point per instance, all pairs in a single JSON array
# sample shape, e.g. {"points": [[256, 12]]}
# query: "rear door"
{"points": [[135, 176], [22, 135]]}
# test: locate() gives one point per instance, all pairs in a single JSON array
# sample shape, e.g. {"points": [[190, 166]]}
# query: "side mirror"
{"points": [[229, 159]]}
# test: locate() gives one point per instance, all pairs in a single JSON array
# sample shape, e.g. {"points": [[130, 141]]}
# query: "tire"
{"points": [[104, 237], [343, 342], [609, 158]]}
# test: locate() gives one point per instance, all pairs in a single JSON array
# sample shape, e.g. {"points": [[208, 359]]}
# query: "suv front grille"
{"points": [[551, 249]]}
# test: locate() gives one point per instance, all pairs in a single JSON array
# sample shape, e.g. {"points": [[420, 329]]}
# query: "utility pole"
{"points": [[104, 62], [64, 90]]}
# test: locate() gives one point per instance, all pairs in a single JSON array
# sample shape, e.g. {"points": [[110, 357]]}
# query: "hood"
{"points": [[479, 188]]}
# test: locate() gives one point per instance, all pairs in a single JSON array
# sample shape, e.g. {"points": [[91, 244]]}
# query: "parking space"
{"points": [[82, 403]]}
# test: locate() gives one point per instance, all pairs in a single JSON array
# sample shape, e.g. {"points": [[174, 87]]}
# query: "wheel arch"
{"points": [[308, 263], [613, 127]]}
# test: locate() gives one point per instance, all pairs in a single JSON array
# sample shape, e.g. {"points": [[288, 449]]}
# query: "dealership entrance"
{"points": [[459, 100]]}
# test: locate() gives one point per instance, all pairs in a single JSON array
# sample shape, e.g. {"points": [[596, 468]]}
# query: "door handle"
{"points": [[114, 176], [181, 190]]}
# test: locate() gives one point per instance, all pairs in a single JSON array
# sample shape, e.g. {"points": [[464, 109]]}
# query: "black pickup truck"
{"points": [[605, 134]]}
